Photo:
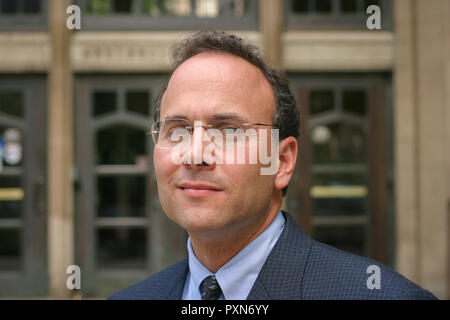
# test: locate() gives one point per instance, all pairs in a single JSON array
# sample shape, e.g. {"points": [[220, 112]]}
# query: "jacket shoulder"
{"points": [[165, 284], [335, 274]]}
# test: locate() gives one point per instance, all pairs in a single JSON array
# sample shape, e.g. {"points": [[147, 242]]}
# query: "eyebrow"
{"points": [[220, 116], [175, 117], [228, 116]]}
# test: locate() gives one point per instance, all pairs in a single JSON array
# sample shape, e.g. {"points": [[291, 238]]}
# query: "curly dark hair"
{"points": [[286, 116]]}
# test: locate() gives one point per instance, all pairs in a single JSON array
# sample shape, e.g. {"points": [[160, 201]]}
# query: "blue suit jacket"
{"points": [[297, 268]]}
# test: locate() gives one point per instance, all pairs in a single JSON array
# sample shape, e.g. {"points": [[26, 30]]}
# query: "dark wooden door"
{"points": [[122, 234], [23, 242], [341, 187]]}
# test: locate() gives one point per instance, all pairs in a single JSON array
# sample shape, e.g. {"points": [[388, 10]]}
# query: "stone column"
{"points": [[271, 20], [60, 138], [421, 106], [446, 13], [405, 110]]}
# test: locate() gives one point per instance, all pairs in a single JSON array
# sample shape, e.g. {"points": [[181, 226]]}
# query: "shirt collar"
{"points": [[237, 276], [197, 270]]}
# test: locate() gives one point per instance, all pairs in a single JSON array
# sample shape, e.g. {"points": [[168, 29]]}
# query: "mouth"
{"points": [[198, 190]]}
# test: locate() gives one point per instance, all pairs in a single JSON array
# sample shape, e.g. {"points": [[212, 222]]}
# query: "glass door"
{"points": [[22, 187], [123, 236], [341, 186]]}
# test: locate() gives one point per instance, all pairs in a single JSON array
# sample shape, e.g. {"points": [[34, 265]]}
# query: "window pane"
{"points": [[12, 139], [32, 6], [339, 143], [11, 103], [300, 6], [346, 238], [229, 8], [368, 3], [121, 196], [339, 14], [168, 7], [203, 8], [337, 194], [349, 6], [9, 6], [209, 8], [240, 7], [120, 145], [339, 206], [323, 6], [11, 195], [122, 6], [354, 101], [339, 179], [10, 249], [320, 101], [122, 248], [225, 8], [104, 102], [98, 6], [138, 101]]}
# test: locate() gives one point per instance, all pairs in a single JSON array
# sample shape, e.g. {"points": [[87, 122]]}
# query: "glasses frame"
{"points": [[153, 132]]}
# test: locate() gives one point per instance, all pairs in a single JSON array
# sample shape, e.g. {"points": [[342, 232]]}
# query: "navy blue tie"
{"points": [[210, 288]]}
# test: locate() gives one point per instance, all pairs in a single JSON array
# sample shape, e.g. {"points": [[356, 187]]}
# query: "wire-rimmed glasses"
{"points": [[167, 133]]}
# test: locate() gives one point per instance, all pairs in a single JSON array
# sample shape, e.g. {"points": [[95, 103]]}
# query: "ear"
{"points": [[287, 159]]}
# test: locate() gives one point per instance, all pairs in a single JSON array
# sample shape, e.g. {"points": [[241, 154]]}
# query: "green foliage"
{"points": [[99, 7], [156, 7]]}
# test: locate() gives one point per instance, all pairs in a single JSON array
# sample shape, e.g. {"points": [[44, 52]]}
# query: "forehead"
{"points": [[211, 83]]}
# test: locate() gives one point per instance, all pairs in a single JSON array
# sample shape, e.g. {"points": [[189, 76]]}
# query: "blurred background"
{"points": [[76, 176]]}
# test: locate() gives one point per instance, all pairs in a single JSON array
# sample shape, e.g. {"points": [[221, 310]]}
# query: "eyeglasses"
{"points": [[167, 133]]}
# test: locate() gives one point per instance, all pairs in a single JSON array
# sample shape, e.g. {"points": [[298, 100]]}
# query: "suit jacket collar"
{"points": [[175, 290], [281, 275]]}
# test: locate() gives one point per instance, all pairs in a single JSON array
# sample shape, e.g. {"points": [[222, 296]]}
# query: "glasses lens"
{"points": [[169, 132]]}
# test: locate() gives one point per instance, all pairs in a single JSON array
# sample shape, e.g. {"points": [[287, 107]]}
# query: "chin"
{"points": [[202, 220]]}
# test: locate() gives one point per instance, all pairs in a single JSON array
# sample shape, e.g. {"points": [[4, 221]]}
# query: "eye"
{"points": [[231, 129], [227, 127], [171, 125], [180, 129]]}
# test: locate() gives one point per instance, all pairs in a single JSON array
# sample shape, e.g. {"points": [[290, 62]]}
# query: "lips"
{"points": [[198, 189]]}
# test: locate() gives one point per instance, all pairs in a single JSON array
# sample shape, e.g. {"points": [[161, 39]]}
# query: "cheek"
{"points": [[246, 178], [163, 165]]}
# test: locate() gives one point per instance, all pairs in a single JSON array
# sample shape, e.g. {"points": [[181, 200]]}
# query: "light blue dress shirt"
{"points": [[237, 276]]}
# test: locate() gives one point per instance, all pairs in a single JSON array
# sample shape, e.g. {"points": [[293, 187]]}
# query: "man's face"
{"points": [[214, 198]]}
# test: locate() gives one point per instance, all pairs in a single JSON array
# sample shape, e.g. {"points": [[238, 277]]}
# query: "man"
{"points": [[241, 245]]}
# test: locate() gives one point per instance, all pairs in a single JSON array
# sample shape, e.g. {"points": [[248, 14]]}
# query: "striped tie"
{"points": [[210, 288]]}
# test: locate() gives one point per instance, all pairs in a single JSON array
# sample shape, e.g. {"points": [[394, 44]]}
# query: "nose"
{"points": [[195, 152]]}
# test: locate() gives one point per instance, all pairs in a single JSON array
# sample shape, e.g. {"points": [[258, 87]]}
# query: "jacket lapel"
{"points": [[178, 278], [281, 275]]}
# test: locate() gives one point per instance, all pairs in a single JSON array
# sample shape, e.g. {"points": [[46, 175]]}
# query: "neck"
{"points": [[214, 251]]}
